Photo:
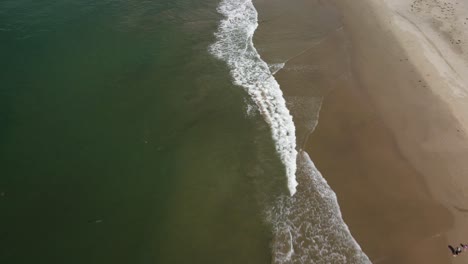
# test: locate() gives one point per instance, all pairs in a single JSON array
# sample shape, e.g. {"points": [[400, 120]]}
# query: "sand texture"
{"points": [[391, 138], [408, 62]]}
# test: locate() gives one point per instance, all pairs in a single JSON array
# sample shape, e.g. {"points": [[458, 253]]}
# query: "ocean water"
{"points": [[153, 132], [306, 223]]}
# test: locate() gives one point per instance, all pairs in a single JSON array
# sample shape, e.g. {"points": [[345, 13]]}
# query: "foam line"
{"points": [[234, 45]]}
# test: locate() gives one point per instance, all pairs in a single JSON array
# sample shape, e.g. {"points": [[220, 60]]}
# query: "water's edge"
{"points": [[234, 45], [307, 225]]}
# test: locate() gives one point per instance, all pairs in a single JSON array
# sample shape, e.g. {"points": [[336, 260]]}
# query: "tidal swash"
{"points": [[307, 224]]}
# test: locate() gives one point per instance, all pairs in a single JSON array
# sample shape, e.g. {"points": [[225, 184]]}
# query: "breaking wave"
{"points": [[307, 224], [235, 46]]}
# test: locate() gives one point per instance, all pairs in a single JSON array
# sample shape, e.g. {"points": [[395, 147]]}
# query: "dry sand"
{"points": [[391, 139]]}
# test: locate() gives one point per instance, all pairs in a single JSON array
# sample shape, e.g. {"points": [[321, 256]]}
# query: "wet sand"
{"points": [[411, 76], [384, 200], [391, 137]]}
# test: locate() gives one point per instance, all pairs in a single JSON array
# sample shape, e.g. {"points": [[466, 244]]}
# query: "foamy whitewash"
{"points": [[235, 46]]}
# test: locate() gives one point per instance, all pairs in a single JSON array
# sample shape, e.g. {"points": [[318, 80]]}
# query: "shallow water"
{"points": [[122, 139], [130, 134]]}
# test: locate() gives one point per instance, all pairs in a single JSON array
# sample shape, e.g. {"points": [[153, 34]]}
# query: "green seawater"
{"points": [[122, 140]]}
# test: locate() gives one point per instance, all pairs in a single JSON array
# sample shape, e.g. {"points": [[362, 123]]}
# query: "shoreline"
{"points": [[411, 78], [391, 138], [306, 37]]}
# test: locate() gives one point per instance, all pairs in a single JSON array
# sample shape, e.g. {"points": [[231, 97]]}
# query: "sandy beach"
{"points": [[391, 138]]}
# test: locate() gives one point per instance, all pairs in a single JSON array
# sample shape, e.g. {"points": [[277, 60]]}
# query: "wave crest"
{"points": [[234, 45]]}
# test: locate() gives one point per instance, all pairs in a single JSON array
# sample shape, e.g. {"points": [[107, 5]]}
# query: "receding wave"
{"points": [[307, 224], [235, 46], [308, 227]]}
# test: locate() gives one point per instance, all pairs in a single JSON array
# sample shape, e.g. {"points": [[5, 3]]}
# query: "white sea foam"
{"points": [[308, 227], [276, 67], [250, 109], [235, 46]]}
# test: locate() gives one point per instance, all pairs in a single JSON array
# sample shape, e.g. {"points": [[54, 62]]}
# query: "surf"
{"points": [[234, 45], [307, 225]]}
